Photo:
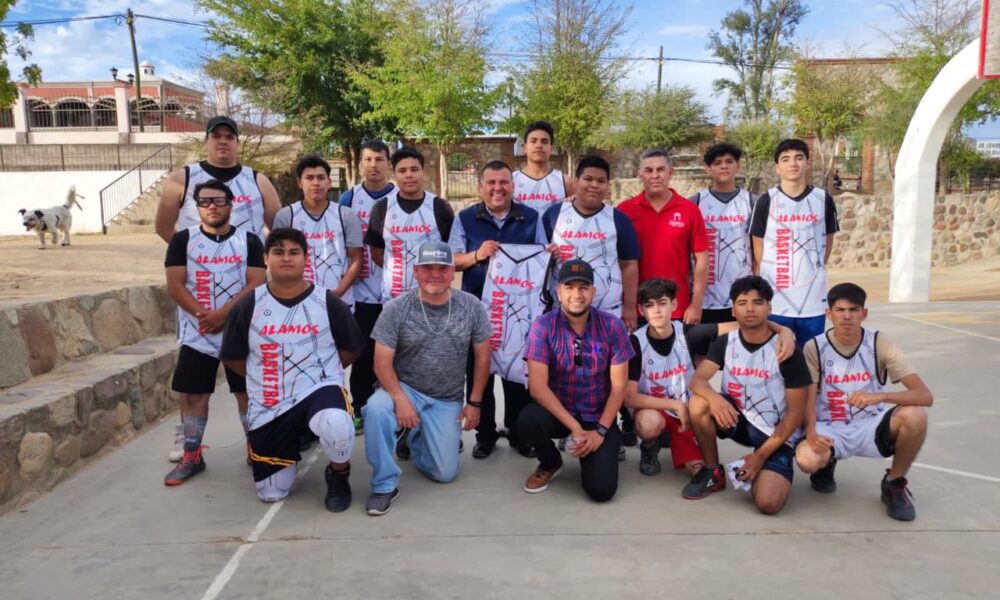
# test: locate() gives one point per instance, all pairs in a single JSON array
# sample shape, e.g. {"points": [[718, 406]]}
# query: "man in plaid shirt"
{"points": [[578, 376]]}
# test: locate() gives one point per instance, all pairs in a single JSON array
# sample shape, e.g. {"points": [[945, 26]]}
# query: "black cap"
{"points": [[576, 270], [220, 120]]}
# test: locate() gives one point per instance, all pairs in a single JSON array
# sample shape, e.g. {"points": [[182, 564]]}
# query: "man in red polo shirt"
{"points": [[670, 229]]}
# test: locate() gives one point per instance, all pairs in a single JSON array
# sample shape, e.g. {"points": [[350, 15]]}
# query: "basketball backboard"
{"points": [[989, 41]]}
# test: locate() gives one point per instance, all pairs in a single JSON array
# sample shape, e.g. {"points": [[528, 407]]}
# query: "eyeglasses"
{"points": [[578, 352], [206, 201]]}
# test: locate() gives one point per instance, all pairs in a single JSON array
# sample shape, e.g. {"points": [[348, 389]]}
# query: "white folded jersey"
{"points": [[513, 296]]}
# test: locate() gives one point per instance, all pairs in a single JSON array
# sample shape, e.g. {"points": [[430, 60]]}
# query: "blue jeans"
{"points": [[804, 328], [433, 442]]}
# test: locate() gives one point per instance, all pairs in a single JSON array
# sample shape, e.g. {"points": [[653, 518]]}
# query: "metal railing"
{"points": [[73, 157], [120, 193], [462, 185]]}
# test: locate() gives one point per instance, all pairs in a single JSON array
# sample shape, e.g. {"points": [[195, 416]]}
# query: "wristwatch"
{"points": [[601, 430]]}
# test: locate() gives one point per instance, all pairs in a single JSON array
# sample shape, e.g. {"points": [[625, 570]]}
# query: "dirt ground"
{"points": [[96, 263]]}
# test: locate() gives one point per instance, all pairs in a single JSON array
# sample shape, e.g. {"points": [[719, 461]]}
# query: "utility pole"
{"points": [[659, 73], [130, 19]]}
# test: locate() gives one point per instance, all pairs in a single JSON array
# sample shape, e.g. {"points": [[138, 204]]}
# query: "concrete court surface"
{"points": [[114, 530]]}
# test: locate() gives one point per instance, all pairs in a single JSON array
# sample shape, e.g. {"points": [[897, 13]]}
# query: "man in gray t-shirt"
{"points": [[422, 341]]}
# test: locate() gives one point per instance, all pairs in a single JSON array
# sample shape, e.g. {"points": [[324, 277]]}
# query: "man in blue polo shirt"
{"points": [[578, 375], [476, 236]]}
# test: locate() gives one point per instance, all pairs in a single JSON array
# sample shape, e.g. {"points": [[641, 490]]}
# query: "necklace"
{"points": [[423, 309]]}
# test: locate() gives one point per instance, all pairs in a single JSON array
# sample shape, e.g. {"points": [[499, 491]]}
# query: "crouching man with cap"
{"points": [[422, 340]]}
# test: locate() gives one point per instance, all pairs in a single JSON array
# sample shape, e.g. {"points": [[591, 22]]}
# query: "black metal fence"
{"points": [[73, 157], [116, 196], [462, 185]]}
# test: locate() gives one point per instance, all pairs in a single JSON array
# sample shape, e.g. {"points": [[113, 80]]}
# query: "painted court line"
{"points": [[955, 329], [227, 572], [959, 473]]}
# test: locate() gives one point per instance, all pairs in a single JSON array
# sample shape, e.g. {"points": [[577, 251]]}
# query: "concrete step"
{"points": [[76, 374], [139, 216], [55, 423]]}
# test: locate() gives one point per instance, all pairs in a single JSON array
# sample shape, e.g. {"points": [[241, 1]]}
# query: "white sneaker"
{"points": [[178, 451]]}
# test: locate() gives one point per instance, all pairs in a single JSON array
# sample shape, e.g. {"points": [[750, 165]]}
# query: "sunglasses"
{"points": [[578, 352], [205, 202]]}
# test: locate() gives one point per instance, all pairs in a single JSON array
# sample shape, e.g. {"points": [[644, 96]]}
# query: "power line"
{"points": [[58, 21], [202, 24]]}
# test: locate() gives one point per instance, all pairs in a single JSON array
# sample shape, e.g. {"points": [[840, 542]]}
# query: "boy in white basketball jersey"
{"points": [[292, 341], [726, 209], [208, 268], [333, 231], [255, 200], [660, 374], [761, 402], [792, 227], [853, 414], [538, 185], [400, 224], [374, 168]]}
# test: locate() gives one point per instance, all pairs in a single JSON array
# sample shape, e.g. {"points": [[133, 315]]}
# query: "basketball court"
{"points": [[114, 530]]}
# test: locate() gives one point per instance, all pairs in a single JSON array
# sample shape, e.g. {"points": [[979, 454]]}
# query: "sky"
{"points": [[86, 50]]}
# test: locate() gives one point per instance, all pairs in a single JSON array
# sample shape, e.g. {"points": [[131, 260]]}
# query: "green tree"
{"points": [[829, 104], [293, 58], [18, 43], [671, 119], [933, 32], [758, 141], [433, 80], [573, 76], [752, 42]]}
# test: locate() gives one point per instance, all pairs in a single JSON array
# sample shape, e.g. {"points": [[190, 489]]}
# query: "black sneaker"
{"points": [[378, 504], [621, 453], [897, 498], [822, 480], [649, 458], [482, 449], [402, 444], [704, 482], [338, 490]]}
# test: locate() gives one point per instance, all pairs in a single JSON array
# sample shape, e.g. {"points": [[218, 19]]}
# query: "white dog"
{"points": [[52, 220]]}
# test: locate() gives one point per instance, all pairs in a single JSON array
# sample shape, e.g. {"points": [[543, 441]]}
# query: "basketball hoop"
{"points": [[989, 41]]}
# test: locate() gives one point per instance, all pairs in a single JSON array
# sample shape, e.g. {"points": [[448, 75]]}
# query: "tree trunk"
{"points": [[443, 171]]}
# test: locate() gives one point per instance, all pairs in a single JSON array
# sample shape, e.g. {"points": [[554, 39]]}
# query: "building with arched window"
{"points": [[97, 112]]}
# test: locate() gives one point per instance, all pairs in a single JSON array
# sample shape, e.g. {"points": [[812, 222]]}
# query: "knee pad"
{"points": [[277, 486], [335, 429]]}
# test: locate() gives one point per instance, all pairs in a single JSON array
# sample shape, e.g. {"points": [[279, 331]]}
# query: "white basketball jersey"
{"points": [[216, 271], [840, 376], [248, 202], [512, 295], [368, 287], [794, 248], [539, 194], [727, 227], [595, 240], [403, 233], [753, 380], [666, 376], [292, 354], [327, 260]]}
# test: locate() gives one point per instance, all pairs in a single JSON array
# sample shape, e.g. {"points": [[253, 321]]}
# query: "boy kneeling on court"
{"points": [[852, 414], [292, 341]]}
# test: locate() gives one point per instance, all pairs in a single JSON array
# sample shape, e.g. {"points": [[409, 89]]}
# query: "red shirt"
{"points": [[667, 239]]}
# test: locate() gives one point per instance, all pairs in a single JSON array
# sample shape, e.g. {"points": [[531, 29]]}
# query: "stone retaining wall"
{"points": [[78, 374], [39, 336], [966, 228]]}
